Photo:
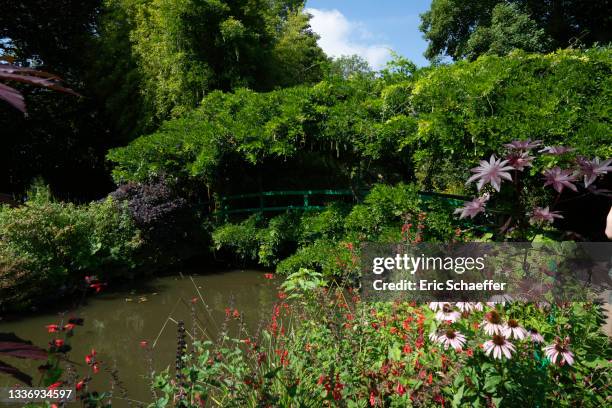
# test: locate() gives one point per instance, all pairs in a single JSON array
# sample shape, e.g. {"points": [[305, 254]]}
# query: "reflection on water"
{"points": [[116, 323]]}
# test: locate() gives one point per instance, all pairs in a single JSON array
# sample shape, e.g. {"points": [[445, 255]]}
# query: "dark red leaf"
{"points": [[16, 373], [21, 350], [12, 96], [14, 346]]}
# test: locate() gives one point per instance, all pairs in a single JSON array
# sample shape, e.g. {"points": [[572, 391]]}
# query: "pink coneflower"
{"points": [[492, 323], [492, 172], [452, 338], [447, 314], [536, 337], [541, 215], [433, 336], [436, 305], [513, 330], [523, 144], [472, 208], [559, 349], [520, 160], [559, 179], [555, 150], [591, 169], [498, 345]]}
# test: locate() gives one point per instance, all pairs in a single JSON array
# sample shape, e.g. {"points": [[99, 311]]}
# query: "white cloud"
{"points": [[339, 36]]}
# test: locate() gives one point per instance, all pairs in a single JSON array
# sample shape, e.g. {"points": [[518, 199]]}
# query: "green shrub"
{"points": [[327, 224], [48, 246], [240, 239]]}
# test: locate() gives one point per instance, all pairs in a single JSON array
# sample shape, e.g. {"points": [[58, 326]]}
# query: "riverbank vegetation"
{"points": [[183, 106]]}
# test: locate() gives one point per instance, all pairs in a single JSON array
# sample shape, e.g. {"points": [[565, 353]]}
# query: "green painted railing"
{"points": [[306, 200]]}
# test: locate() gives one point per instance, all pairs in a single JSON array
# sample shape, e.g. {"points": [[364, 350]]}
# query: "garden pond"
{"points": [[116, 322]]}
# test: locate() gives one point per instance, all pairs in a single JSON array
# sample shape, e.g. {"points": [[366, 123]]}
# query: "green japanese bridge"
{"points": [[266, 201]]}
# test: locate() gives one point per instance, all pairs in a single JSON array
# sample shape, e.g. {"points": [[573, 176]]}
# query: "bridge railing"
{"points": [[306, 200]]}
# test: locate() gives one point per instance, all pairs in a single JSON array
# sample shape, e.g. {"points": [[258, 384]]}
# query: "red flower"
{"points": [[372, 398], [97, 286], [430, 378], [194, 300], [144, 344], [79, 385], [69, 326], [236, 314], [400, 389], [269, 275], [91, 358], [228, 312], [52, 328], [282, 295], [55, 385], [58, 343], [407, 348], [95, 368]]}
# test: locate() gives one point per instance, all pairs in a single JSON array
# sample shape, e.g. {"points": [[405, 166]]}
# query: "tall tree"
{"points": [[466, 28]]}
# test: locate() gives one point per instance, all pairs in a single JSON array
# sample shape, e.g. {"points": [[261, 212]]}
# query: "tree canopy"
{"points": [[464, 28], [137, 63]]}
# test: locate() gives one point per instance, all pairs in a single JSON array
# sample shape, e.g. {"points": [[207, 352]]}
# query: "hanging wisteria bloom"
{"points": [[543, 215], [523, 144], [556, 150], [536, 337], [492, 172], [473, 208], [499, 346], [559, 353], [493, 323], [452, 338], [519, 160], [437, 305], [559, 179], [591, 169], [447, 314], [513, 330]]}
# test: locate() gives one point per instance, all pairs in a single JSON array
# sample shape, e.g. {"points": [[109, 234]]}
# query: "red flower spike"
{"points": [[58, 343], [79, 385], [55, 385], [52, 328], [269, 275], [400, 389]]}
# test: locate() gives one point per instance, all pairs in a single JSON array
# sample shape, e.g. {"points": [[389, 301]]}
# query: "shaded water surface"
{"points": [[116, 322]]}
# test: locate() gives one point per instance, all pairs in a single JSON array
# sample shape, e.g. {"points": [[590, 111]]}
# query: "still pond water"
{"points": [[116, 322]]}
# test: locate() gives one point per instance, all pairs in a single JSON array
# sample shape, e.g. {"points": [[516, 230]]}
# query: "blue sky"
{"points": [[369, 28]]}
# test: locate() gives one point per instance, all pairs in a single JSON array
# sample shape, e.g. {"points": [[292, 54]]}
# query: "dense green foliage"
{"points": [[325, 241], [464, 28], [47, 247], [136, 63], [430, 126]]}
